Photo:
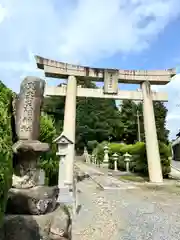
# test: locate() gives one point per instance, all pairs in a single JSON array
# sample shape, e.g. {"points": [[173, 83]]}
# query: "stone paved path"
{"points": [[127, 214], [176, 164], [175, 173], [101, 177]]}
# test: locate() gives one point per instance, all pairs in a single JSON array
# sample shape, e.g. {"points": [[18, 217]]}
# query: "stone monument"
{"points": [[32, 211], [27, 125]]}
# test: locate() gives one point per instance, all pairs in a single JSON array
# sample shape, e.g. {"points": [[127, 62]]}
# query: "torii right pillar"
{"points": [[152, 146]]}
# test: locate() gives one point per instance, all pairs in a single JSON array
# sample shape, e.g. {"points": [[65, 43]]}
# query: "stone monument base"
{"points": [[36, 200], [35, 214], [52, 226]]}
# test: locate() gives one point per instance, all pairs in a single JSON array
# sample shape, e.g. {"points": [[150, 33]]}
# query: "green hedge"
{"points": [[139, 158], [5, 146], [49, 161]]}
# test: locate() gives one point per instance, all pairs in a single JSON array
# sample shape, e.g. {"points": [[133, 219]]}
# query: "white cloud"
{"points": [[3, 13], [173, 104], [102, 28], [82, 30], [79, 31]]}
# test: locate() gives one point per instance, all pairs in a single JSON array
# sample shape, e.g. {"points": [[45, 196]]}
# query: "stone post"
{"points": [[152, 147], [127, 159], [115, 159], [106, 156], [93, 159], [87, 156], [70, 125]]}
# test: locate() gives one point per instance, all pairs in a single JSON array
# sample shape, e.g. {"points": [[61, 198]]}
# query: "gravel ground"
{"points": [[142, 214], [176, 164]]}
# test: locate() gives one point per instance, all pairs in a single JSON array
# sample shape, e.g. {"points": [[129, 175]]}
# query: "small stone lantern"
{"points": [[106, 156], [127, 159], [115, 157], [66, 194], [63, 145]]}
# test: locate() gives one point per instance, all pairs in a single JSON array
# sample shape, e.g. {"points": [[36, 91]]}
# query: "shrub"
{"points": [[5, 146], [49, 161], [165, 153], [139, 159]]}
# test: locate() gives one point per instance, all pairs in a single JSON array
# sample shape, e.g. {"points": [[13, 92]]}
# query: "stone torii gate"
{"points": [[111, 78]]}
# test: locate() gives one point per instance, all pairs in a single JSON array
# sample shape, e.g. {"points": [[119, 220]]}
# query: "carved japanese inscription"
{"points": [[28, 108], [110, 81]]}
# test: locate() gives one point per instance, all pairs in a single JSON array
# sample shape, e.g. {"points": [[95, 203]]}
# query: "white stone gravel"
{"points": [[126, 214]]}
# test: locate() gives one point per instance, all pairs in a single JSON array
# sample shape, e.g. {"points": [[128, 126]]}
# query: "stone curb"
{"points": [[123, 187], [87, 174], [177, 169]]}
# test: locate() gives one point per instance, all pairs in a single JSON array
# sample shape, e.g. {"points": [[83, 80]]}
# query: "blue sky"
{"points": [[127, 34]]}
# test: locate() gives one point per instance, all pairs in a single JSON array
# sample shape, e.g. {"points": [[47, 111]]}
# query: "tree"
{"points": [[128, 116], [160, 112], [129, 119], [54, 107], [97, 120]]}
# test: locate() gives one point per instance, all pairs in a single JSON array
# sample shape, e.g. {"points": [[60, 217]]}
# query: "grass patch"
{"points": [[133, 178]]}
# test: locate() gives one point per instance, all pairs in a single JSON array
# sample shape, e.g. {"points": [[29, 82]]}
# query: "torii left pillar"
{"points": [[70, 126]]}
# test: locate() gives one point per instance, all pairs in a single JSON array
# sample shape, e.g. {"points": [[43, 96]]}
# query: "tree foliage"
{"points": [[5, 145], [49, 161], [160, 112], [97, 120], [128, 113], [128, 118], [54, 107]]}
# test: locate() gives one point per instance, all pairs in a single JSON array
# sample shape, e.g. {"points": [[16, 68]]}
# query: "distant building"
{"points": [[176, 147], [178, 134]]}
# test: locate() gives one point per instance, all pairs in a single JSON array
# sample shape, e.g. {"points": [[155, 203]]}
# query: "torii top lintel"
{"points": [[63, 70]]}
